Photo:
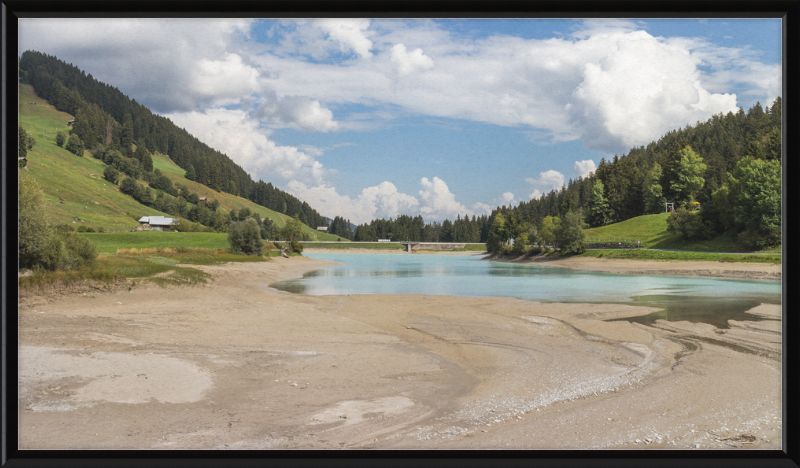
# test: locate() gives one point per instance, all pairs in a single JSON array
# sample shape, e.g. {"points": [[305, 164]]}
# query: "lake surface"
{"points": [[683, 298]]}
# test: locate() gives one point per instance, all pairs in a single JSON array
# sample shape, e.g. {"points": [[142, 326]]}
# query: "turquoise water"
{"points": [[682, 298]]}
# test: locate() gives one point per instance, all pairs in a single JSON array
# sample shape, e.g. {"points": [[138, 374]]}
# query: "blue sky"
{"points": [[374, 118]]}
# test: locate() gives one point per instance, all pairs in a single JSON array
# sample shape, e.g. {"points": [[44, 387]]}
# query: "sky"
{"points": [[373, 118]]}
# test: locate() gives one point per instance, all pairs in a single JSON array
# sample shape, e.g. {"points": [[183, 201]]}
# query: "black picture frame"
{"points": [[789, 10]]}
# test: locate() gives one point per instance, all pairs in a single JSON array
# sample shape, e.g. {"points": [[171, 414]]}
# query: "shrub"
{"points": [[245, 237], [61, 138], [296, 246], [690, 224], [68, 251], [34, 228], [110, 173], [75, 145], [182, 225], [65, 228]]}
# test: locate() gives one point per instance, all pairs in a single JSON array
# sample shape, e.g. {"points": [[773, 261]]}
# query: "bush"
{"points": [[690, 224], [182, 225], [61, 138], [245, 237], [75, 145], [65, 228], [110, 173], [68, 251], [295, 246], [34, 228]]}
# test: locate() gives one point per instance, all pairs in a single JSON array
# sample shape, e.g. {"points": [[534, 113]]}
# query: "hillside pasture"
{"points": [[652, 231]]}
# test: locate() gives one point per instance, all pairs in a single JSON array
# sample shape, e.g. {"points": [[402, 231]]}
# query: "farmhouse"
{"points": [[158, 223], [70, 123], [322, 228]]}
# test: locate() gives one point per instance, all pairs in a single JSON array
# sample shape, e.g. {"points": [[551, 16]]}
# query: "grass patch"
{"points": [[652, 231], [110, 242], [472, 248], [667, 256], [162, 266], [44, 279]]}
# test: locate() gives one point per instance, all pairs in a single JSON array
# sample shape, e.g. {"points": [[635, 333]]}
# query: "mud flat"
{"points": [[238, 365]]}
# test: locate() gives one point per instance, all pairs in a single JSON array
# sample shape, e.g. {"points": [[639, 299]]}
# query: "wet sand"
{"points": [[238, 365]]}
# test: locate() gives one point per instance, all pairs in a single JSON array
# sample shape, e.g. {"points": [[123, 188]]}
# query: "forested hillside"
{"points": [[721, 142], [106, 118]]}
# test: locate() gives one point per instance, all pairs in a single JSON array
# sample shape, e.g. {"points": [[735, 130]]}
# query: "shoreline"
{"points": [[238, 365], [318, 250], [737, 270]]}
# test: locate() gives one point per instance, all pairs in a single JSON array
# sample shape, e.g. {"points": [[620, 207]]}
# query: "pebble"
{"points": [[294, 385]]}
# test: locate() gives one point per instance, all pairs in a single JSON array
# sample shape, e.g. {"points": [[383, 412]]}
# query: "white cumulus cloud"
{"points": [[380, 201], [409, 62], [299, 111], [548, 180], [584, 168], [438, 202], [349, 33], [234, 133], [641, 88]]}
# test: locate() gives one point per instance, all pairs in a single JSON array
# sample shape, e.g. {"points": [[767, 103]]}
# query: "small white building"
{"points": [[322, 229], [384, 240], [158, 223]]}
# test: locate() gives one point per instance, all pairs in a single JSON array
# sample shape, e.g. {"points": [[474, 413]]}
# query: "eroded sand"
{"points": [[237, 365]]}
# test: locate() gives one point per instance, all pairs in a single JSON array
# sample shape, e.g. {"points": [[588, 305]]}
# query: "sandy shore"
{"points": [[760, 271], [237, 365]]}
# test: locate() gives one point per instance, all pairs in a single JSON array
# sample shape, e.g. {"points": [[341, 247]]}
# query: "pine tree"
{"points": [[688, 180], [190, 173], [653, 192], [598, 206]]}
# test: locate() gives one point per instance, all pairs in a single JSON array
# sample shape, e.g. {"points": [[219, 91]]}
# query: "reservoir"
{"points": [[697, 299]]}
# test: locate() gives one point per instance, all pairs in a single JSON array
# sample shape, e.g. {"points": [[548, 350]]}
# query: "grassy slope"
{"points": [[230, 202], [652, 231], [99, 203], [62, 174]]}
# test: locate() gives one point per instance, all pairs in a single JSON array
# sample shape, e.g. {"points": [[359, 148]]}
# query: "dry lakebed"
{"points": [[236, 364]]}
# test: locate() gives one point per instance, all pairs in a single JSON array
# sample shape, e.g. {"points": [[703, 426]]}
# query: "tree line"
{"points": [[106, 117], [405, 227], [721, 177]]}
